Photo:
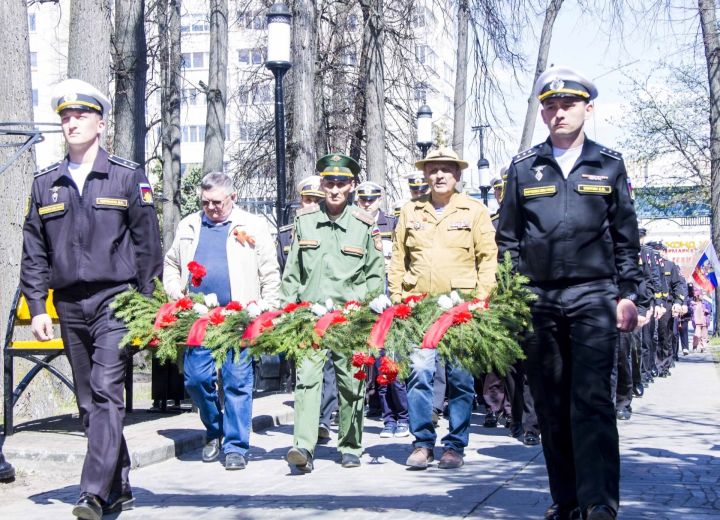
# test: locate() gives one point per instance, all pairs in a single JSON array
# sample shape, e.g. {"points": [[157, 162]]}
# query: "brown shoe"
{"points": [[451, 459], [420, 458]]}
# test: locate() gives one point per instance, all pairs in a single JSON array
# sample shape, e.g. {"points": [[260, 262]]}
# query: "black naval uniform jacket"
{"points": [[575, 230], [108, 236]]}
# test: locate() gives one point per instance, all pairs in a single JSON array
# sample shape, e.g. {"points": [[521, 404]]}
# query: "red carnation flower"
{"points": [[185, 303], [216, 316], [353, 303], [369, 360], [388, 367], [196, 269], [358, 359], [233, 306], [196, 281], [402, 311], [462, 317], [338, 318], [382, 379], [166, 320], [360, 375], [153, 342]]}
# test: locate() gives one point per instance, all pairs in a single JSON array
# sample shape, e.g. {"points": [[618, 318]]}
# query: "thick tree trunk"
{"points": [[711, 43], [216, 92], [374, 91], [15, 105], [130, 62], [89, 42], [551, 13], [460, 101], [169, 27], [303, 129]]}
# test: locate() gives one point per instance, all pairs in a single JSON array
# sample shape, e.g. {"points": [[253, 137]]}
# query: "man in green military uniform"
{"points": [[335, 255]]}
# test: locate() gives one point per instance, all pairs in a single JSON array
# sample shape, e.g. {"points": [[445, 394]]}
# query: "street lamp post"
{"points": [[278, 61], [483, 166], [424, 129]]}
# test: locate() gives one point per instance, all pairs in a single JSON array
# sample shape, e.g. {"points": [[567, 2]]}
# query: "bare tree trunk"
{"points": [[374, 91], [169, 28], [551, 13], [460, 101], [130, 62], [711, 43], [216, 92], [89, 42], [303, 129], [15, 105]]}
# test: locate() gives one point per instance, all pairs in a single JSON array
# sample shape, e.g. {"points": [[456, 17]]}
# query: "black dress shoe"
{"points": [[531, 439], [638, 390], [88, 507], [600, 512], [211, 451], [234, 461], [118, 502], [561, 512], [7, 472], [491, 420], [516, 430], [350, 461], [301, 459]]}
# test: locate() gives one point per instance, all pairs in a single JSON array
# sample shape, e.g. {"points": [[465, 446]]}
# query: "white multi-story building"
{"points": [[250, 86]]}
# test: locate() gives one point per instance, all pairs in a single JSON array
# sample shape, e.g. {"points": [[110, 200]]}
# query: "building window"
{"points": [[349, 58], [193, 60], [421, 52], [254, 20], [31, 22], [249, 131], [262, 94], [192, 96], [251, 56], [352, 22], [33, 60], [417, 20], [193, 134], [35, 97], [194, 23], [243, 96], [420, 92]]}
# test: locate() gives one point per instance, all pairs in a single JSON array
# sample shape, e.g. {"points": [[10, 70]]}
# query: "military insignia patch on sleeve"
{"points": [[146, 194]]}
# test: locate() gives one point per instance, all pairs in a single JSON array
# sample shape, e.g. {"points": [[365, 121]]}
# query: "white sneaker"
{"points": [[685, 352], [402, 430]]}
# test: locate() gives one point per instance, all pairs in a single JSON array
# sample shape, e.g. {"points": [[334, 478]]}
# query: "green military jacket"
{"points": [[340, 259]]}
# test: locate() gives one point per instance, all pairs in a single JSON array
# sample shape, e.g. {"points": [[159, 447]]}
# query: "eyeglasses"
{"points": [[208, 203]]}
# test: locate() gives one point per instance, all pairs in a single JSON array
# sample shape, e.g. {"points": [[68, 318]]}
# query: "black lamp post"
{"points": [[483, 166], [278, 61], [424, 129]]}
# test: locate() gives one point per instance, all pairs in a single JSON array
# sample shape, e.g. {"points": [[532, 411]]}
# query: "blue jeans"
{"points": [[201, 384], [420, 401]]}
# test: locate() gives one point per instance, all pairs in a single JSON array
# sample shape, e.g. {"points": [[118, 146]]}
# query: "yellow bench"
{"points": [[41, 354]]}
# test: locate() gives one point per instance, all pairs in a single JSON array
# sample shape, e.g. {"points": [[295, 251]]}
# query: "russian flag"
{"points": [[706, 269]]}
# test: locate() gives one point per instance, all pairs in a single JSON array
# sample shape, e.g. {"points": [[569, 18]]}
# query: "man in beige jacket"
{"points": [[240, 258], [444, 241]]}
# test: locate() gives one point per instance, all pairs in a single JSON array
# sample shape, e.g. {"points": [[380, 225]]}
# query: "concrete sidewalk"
{"points": [[151, 437], [670, 470]]}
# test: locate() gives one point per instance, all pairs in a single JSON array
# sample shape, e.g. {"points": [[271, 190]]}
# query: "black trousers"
{"points": [[622, 381], [522, 404], [648, 348], [91, 335], [570, 357], [663, 355]]}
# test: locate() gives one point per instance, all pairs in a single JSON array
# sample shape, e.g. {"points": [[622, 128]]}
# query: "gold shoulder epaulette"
{"points": [[363, 216], [127, 163], [611, 153], [307, 210], [495, 216], [48, 169]]}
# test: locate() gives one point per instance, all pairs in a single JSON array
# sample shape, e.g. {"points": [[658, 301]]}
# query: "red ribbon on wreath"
{"points": [[325, 321], [256, 327], [197, 331], [381, 327], [455, 316]]}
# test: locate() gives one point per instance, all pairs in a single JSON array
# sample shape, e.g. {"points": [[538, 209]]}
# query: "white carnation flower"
{"points": [[211, 300], [200, 308], [253, 310], [318, 310], [445, 302], [455, 297]]}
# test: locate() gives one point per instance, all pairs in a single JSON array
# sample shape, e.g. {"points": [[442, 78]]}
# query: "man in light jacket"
{"points": [[247, 271]]}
